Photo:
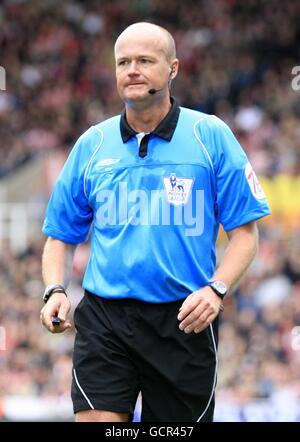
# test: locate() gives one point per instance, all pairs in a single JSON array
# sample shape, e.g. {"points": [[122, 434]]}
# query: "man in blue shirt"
{"points": [[155, 183]]}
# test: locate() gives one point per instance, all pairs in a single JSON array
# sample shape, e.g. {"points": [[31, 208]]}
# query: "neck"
{"points": [[146, 118]]}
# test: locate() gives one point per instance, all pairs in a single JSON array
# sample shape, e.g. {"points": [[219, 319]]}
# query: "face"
{"points": [[141, 64]]}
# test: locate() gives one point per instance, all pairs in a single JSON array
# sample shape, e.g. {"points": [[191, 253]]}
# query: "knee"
{"points": [[100, 416]]}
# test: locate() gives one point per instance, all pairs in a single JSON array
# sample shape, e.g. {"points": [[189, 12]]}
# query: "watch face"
{"points": [[220, 286]]}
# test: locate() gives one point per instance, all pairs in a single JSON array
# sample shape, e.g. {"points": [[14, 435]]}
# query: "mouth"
{"points": [[135, 84]]}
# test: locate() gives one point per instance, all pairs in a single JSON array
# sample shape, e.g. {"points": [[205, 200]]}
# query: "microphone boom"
{"points": [[153, 91]]}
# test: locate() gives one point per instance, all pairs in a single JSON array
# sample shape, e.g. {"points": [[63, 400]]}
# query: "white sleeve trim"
{"points": [[201, 143], [91, 160]]}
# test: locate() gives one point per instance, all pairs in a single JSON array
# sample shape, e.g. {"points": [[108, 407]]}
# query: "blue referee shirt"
{"points": [[155, 202]]}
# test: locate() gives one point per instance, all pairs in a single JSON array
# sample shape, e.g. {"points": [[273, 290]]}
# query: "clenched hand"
{"points": [[58, 305]]}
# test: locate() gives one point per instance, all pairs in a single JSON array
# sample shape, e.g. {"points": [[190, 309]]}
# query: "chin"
{"points": [[135, 97]]}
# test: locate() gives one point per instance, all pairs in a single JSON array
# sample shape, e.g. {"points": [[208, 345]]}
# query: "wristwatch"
{"points": [[54, 288], [219, 287]]}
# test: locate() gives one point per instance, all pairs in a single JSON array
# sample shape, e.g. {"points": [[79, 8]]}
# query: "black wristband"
{"points": [[50, 289]]}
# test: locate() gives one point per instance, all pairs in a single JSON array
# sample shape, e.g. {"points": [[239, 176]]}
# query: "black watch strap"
{"points": [[219, 288], [217, 292], [50, 290]]}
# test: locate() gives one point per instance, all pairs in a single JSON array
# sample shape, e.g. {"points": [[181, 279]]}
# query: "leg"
{"points": [[105, 381], [100, 416], [179, 387]]}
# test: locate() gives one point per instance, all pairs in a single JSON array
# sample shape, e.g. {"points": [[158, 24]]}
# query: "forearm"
{"points": [[57, 262], [240, 252], [201, 307]]}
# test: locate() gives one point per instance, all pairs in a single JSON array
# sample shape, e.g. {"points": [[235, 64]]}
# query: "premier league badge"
{"points": [[178, 189]]}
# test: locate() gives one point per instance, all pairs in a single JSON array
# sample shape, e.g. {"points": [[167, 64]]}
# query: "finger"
{"points": [[200, 324], [206, 323], [194, 325], [42, 313], [201, 320], [63, 311], [188, 306], [204, 308], [192, 317], [46, 318]]}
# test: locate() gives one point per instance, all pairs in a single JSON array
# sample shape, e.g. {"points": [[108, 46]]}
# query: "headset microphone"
{"points": [[153, 91]]}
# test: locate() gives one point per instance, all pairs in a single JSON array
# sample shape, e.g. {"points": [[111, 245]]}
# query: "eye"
{"points": [[122, 62], [145, 61]]}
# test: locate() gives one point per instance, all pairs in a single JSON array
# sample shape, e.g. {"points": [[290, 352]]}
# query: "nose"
{"points": [[133, 69]]}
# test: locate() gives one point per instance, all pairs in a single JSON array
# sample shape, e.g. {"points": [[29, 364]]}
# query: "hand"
{"points": [[57, 305], [198, 310]]}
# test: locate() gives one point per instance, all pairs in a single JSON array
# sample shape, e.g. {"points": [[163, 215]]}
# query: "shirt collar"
{"points": [[165, 129]]}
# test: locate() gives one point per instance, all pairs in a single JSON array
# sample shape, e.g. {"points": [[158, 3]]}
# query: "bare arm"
{"points": [[56, 268], [201, 307], [57, 262], [240, 252]]}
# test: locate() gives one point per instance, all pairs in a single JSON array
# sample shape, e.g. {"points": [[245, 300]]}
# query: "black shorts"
{"points": [[123, 347]]}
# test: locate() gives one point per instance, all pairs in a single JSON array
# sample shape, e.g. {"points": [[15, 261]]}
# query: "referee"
{"points": [[155, 183]]}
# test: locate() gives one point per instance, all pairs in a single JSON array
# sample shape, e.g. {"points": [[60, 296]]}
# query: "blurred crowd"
{"points": [[260, 334], [33, 362], [259, 347], [236, 61]]}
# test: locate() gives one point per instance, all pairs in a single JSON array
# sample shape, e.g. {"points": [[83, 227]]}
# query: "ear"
{"points": [[174, 68]]}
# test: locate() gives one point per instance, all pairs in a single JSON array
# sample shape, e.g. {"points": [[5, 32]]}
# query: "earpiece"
{"points": [[154, 91]]}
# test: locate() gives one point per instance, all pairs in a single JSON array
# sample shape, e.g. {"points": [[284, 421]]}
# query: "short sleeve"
{"points": [[239, 195], [69, 216]]}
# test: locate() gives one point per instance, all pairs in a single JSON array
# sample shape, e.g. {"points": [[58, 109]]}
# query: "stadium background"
{"points": [[236, 62]]}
